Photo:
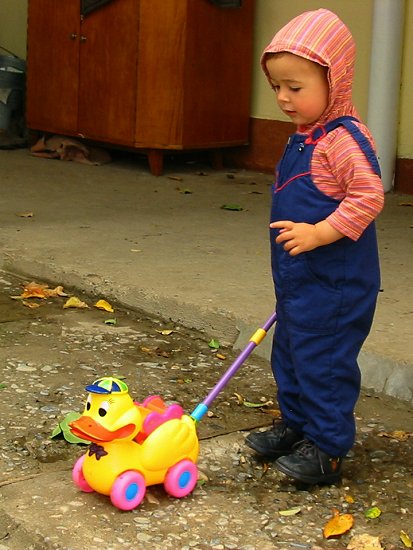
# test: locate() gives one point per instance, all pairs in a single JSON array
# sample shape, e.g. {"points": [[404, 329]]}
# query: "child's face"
{"points": [[301, 87]]}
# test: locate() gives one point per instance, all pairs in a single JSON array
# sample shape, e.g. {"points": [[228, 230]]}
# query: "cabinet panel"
{"points": [[160, 73], [217, 74], [194, 74], [107, 75], [53, 65]]}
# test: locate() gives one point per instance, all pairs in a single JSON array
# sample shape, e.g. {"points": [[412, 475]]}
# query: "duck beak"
{"points": [[87, 428]]}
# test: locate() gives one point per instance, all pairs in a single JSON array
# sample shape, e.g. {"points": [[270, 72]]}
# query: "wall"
{"points": [[13, 26]]}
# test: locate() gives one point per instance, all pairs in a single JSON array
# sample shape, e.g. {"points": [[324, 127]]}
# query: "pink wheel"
{"points": [[181, 479], [79, 478], [128, 490]]}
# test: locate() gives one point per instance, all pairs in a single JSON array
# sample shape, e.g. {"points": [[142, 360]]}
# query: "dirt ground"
{"points": [[49, 354]]}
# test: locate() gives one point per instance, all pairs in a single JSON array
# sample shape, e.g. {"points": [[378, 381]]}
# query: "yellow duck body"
{"points": [[125, 437], [170, 443]]}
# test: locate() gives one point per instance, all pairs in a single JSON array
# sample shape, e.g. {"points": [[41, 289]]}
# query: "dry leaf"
{"points": [[220, 356], [165, 332], [58, 291], [151, 498], [34, 290], [364, 542], [202, 475], [349, 499], [25, 214], [256, 405], [38, 290], [31, 305], [406, 540], [338, 524], [75, 302], [240, 398], [103, 304], [291, 512], [276, 413], [400, 435]]}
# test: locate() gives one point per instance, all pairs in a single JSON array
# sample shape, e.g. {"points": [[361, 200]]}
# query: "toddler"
{"points": [[324, 257]]}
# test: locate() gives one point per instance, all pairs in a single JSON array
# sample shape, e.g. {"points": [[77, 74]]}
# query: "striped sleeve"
{"points": [[341, 170]]}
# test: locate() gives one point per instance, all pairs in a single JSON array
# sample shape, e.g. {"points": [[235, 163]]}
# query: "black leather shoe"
{"points": [[309, 464], [275, 442]]}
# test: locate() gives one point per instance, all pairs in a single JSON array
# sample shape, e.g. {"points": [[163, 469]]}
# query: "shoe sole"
{"points": [[328, 479]]}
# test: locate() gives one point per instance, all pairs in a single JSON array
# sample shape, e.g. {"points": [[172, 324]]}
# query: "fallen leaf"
{"points": [[400, 435], [151, 498], [34, 290], [25, 214], [31, 305], [240, 398], [53, 292], [103, 304], [405, 203], [202, 476], [349, 499], [165, 332], [220, 356], [372, 513], [110, 322], [364, 542], [63, 429], [338, 524], [75, 302], [235, 207], [38, 290], [273, 412], [406, 540], [291, 512], [256, 405], [214, 344]]}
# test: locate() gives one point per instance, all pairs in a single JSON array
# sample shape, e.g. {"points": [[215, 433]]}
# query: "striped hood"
{"points": [[322, 37]]}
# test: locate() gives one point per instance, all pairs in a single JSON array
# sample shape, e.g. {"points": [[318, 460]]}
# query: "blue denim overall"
{"points": [[325, 303]]}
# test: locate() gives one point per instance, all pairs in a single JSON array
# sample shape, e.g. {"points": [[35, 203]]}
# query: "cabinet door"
{"points": [[53, 65], [107, 77]]}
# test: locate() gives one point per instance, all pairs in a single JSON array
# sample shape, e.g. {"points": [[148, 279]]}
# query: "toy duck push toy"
{"points": [[134, 445]]}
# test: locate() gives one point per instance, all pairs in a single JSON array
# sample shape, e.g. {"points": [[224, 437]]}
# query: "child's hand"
{"points": [[303, 237]]}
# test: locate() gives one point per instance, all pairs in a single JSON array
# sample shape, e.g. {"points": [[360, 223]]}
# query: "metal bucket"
{"points": [[12, 85]]}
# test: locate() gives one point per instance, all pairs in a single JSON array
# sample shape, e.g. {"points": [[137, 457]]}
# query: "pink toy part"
{"points": [[79, 478], [128, 490], [181, 479], [159, 413]]}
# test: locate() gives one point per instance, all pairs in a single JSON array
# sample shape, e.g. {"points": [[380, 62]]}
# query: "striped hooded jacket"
{"points": [[339, 167]]}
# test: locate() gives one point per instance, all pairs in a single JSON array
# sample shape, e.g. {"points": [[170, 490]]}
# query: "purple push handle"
{"points": [[255, 339]]}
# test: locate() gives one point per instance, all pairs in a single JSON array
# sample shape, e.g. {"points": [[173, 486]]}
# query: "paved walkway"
{"points": [[166, 245]]}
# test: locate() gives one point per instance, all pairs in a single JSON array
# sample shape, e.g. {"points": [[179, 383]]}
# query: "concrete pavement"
{"points": [[166, 246]]}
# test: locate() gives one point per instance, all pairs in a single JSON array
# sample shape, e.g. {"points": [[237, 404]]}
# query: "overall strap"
{"points": [[348, 123]]}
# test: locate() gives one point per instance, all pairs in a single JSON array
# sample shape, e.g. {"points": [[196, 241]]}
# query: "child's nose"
{"points": [[282, 95]]}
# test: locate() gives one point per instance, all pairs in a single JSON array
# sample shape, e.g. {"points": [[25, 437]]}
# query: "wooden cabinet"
{"points": [[153, 75]]}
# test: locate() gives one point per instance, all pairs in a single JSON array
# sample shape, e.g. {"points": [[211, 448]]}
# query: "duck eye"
{"points": [[88, 403], [103, 409]]}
